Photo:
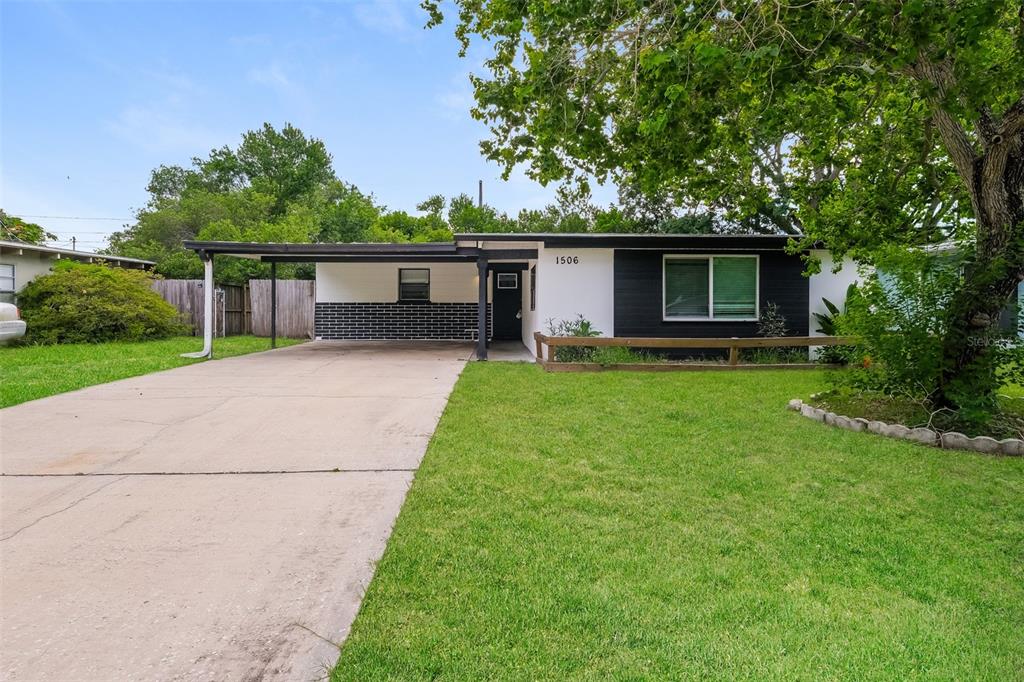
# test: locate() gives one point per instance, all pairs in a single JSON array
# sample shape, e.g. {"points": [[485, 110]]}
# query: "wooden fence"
{"points": [[733, 344], [295, 298], [244, 309], [231, 313]]}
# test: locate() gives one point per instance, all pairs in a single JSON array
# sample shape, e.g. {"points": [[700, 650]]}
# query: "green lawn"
{"points": [[30, 372], [685, 525]]}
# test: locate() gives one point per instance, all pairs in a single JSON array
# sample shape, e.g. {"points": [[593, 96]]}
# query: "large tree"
{"points": [[861, 123]]}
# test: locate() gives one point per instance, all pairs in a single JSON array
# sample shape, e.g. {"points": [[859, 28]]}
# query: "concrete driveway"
{"points": [[219, 521]]}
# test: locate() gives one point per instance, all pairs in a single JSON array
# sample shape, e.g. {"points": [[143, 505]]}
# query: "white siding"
{"points": [[531, 321], [378, 282], [830, 285], [27, 267], [576, 282]]}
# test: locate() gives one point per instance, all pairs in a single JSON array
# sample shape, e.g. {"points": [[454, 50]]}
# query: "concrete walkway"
{"points": [[214, 522]]}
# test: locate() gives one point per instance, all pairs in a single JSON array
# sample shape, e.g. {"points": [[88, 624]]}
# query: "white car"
{"points": [[11, 324]]}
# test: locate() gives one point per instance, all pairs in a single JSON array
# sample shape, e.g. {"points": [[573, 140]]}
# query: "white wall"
{"points": [[531, 321], [573, 282], [830, 285], [378, 282], [27, 267]]}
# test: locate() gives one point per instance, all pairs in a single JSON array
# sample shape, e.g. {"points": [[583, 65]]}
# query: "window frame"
{"points": [[710, 257], [402, 299], [13, 278], [533, 288], [499, 275]]}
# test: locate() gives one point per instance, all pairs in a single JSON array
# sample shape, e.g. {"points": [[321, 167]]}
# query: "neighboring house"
{"points": [[625, 284], [21, 262]]}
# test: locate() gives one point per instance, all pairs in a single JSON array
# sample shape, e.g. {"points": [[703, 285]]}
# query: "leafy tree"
{"points": [[16, 229], [857, 123]]}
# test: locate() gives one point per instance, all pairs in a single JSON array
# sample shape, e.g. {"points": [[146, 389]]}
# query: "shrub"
{"points": [[580, 326], [79, 303], [900, 315], [621, 355], [770, 324]]}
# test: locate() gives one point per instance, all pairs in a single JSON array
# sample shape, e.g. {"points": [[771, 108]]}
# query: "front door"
{"points": [[506, 305]]}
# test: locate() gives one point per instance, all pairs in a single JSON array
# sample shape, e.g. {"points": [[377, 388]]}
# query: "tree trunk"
{"points": [[991, 276]]}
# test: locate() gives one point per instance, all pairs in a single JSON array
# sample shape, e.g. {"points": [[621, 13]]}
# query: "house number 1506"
{"points": [[567, 260]]}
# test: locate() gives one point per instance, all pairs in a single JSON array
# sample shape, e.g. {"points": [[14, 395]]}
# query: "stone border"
{"points": [[949, 440]]}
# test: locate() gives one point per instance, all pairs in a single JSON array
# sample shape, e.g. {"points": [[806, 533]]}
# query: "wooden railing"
{"points": [[734, 344]]}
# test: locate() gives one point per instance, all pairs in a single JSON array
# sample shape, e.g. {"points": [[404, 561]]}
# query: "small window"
{"points": [[6, 279], [533, 288], [508, 280], [711, 287], [413, 284]]}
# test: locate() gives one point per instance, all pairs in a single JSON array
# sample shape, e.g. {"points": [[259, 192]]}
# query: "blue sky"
{"points": [[95, 95]]}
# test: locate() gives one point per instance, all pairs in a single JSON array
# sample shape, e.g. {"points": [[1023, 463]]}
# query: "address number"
{"points": [[567, 260]]}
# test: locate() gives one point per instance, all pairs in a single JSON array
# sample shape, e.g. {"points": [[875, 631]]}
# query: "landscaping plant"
{"points": [[84, 303], [579, 326]]}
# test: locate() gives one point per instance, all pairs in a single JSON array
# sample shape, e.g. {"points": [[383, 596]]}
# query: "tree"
{"points": [[860, 123], [15, 229]]}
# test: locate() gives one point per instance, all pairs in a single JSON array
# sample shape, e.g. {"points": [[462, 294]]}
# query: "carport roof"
{"points": [[290, 252]]}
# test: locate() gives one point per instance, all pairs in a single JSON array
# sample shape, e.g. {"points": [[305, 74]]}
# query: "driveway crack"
{"points": [[64, 509]]}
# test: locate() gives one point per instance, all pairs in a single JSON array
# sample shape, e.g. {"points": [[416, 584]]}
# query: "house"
{"points": [[501, 287], [21, 262]]}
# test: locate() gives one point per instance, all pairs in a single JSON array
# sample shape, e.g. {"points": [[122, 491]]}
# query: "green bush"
{"points": [[580, 326], [79, 303], [621, 355]]}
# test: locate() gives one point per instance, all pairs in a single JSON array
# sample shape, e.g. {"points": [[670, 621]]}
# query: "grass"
{"points": [[31, 372], [631, 526]]}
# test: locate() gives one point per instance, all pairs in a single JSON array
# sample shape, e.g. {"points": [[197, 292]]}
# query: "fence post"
{"points": [[734, 355], [540, 349]]}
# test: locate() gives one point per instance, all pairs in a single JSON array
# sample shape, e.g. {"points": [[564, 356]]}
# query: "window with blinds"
{"points": [[710, 287]]}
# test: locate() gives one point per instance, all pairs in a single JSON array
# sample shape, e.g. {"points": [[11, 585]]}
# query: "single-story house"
{"points": [[21, 262], [494, 287]]}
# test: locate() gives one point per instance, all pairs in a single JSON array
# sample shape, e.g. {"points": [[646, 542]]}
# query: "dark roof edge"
{"points": [[295, 249]]}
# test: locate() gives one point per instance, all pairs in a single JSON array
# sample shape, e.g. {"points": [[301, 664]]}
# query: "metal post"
{"points": [[481, 310], [480, 194], [207, 351], [273, 304]]}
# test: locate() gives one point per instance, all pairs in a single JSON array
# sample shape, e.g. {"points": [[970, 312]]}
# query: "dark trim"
{"points": [[401, 299], [318, 250], [731, 242], [369, 259], [509, 254], [273, 305], [481, 309]]}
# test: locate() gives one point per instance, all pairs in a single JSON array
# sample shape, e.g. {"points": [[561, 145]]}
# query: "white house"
{"points": [[21, 262], [489, 287]]}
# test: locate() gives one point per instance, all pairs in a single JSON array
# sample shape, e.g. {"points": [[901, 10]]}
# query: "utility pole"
{"points": [[73, 239], [480, 194]]}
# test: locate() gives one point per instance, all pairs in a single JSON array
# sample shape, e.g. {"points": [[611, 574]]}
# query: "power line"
{"points": [[63, 217]]}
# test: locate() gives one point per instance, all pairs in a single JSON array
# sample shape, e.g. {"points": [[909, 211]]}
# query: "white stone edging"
{"points": [[950, 440]]}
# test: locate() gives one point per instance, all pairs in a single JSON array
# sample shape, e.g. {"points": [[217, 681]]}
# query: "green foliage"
{"points": [[900, 314], [578, 326], [13, 228], [621, 355], [828, 325], [79, 303], [860, 125]]}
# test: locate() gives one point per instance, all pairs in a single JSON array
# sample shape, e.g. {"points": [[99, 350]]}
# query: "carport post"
{"points": [[207, 351], [481, 309], [273, 304]]}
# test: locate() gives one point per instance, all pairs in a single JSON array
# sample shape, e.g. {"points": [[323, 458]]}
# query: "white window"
{"points": [[413, 284], [710, 288], [6, 279], [508, 280]]}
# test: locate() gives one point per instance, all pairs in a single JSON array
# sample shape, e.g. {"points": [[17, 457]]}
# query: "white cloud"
{"points": [[162, 127], [390, 17], [272, 76]]}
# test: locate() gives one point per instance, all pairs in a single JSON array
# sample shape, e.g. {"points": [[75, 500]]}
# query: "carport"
{"points": [[504, 258]]}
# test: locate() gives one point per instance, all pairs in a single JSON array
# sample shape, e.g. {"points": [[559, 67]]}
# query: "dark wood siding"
{"points": [[638, 296]]}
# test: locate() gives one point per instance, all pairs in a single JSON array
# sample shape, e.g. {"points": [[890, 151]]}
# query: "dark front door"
{"points": [[506, 304]]}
